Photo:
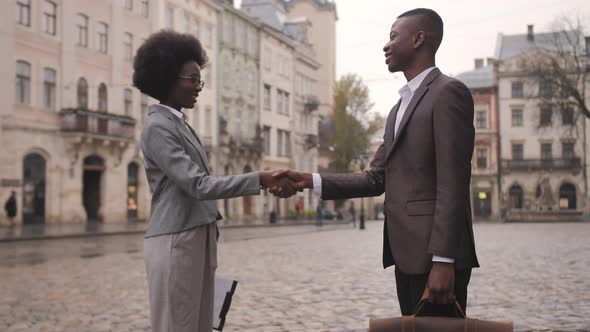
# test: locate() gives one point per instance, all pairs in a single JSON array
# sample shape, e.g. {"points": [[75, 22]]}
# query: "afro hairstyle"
{"points": [[160, 58]]}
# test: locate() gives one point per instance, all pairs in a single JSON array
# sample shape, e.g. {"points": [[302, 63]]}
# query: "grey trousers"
{"points": [[181, 273]]}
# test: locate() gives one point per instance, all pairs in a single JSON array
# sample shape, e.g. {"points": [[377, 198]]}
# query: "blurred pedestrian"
{"points": [[318, 214], [10, 208], [352, 212]]}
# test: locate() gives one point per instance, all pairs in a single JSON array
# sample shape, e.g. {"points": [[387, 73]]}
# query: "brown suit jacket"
{"points": [[425, 171]]}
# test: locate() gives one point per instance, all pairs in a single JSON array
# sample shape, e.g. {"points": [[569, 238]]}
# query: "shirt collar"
{"points": [[415, 83], [177, 113]]}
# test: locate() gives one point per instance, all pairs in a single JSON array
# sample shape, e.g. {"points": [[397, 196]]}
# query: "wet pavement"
{"points": [[299, 278]]}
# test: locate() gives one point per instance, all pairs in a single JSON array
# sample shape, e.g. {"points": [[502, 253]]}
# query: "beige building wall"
{"points": [[31, 127], [238, 103], [323, 17], [277, 114], [306, 118]]}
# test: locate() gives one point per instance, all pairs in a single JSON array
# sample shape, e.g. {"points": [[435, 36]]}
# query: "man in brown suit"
{"points": [[424, 168]]}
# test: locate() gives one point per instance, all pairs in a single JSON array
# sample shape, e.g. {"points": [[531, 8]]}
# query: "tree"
{"points": [[559, 66], [351, 124]]}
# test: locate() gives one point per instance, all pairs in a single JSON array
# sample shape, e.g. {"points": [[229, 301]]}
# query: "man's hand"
{"points": [[299, 180], [441, 283], [281, 187]]}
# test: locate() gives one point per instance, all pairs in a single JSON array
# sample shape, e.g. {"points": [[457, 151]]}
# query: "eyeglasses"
{"points": [[194, 80]]}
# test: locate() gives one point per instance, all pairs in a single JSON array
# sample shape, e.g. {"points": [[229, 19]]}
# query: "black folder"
{"points": [[224, 290]]}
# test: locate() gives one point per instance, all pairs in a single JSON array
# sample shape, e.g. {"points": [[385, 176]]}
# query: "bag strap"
{"points": [[421, 306]]}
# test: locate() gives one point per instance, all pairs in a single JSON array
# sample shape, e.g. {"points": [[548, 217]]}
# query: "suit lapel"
{"points": [[412, 106], [390, 128], [185, 131], [193, 140]]}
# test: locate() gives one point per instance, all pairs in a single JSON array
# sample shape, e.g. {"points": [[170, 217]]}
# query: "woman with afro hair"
{"points": [[180, 244]]}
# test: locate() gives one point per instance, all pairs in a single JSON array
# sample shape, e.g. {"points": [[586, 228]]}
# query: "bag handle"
{"points": [[421, 307]]}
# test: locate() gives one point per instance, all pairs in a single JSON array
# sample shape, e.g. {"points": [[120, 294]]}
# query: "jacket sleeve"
{"points": [[165, 150], [350, 185], [453, 140]]}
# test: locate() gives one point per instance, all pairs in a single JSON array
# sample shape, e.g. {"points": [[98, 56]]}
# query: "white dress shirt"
{"points": [[406, 93], [174, 111]]}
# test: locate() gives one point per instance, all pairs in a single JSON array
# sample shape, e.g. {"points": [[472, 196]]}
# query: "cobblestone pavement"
{"points": [[296, 279]]}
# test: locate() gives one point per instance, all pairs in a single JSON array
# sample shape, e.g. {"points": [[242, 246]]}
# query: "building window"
{"points": [[102, 40], [279, 101], [266, 97], [49, 88], [517, 151], [280, 143], [169, 18], [208, 35], [23, 12], [129, 5], [567, 150], [187, 23], [287, 143], [144, 8], [517, 120], [197, 28], [82, 30], [481, 119], [144, 107], [567, 116], [251, 81], [545, 89], [23, 82], [286, 103], [266, 137], [128, 102], [102, 97], [546, 115], [82, 92], [482, 158], [128, 46], [546, 151], [49, 17], [517, 90], [208, 121]]}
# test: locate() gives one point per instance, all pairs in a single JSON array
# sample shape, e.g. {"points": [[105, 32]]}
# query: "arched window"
{"points": [[33, 207], [516, 197], [102, 97], [82, 92], [567, 196], [132, 188]]}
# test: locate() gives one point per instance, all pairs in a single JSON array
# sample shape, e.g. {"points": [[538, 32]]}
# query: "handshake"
{"points": [[285, 183]]}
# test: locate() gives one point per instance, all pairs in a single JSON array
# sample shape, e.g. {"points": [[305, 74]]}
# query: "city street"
{"points": [[296, 278]]}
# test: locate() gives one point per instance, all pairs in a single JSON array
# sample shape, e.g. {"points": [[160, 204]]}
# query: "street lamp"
{"points": [[362, 161]]}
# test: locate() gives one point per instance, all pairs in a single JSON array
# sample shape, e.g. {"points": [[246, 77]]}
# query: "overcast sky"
{"points": [[471, 30]]}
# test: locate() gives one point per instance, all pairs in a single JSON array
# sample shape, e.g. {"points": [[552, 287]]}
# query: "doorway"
{"points": [[33, 203], [91, 192]]}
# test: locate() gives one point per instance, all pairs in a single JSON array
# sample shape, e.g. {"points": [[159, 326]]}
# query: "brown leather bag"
{"points": [[422, 322]]}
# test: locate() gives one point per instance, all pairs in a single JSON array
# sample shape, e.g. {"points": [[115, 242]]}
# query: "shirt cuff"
{"points": [[442, 259], [317, 184]]}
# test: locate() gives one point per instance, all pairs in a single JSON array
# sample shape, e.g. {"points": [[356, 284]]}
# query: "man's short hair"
{"points": [[430, 23]]}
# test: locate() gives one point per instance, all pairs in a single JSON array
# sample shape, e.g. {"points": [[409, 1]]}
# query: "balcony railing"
{"points": [[311, 103], [311, 141], [572, 164], [97, 123]]}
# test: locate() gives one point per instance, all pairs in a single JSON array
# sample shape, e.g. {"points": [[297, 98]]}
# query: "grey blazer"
{"points": [[183, 191]]}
